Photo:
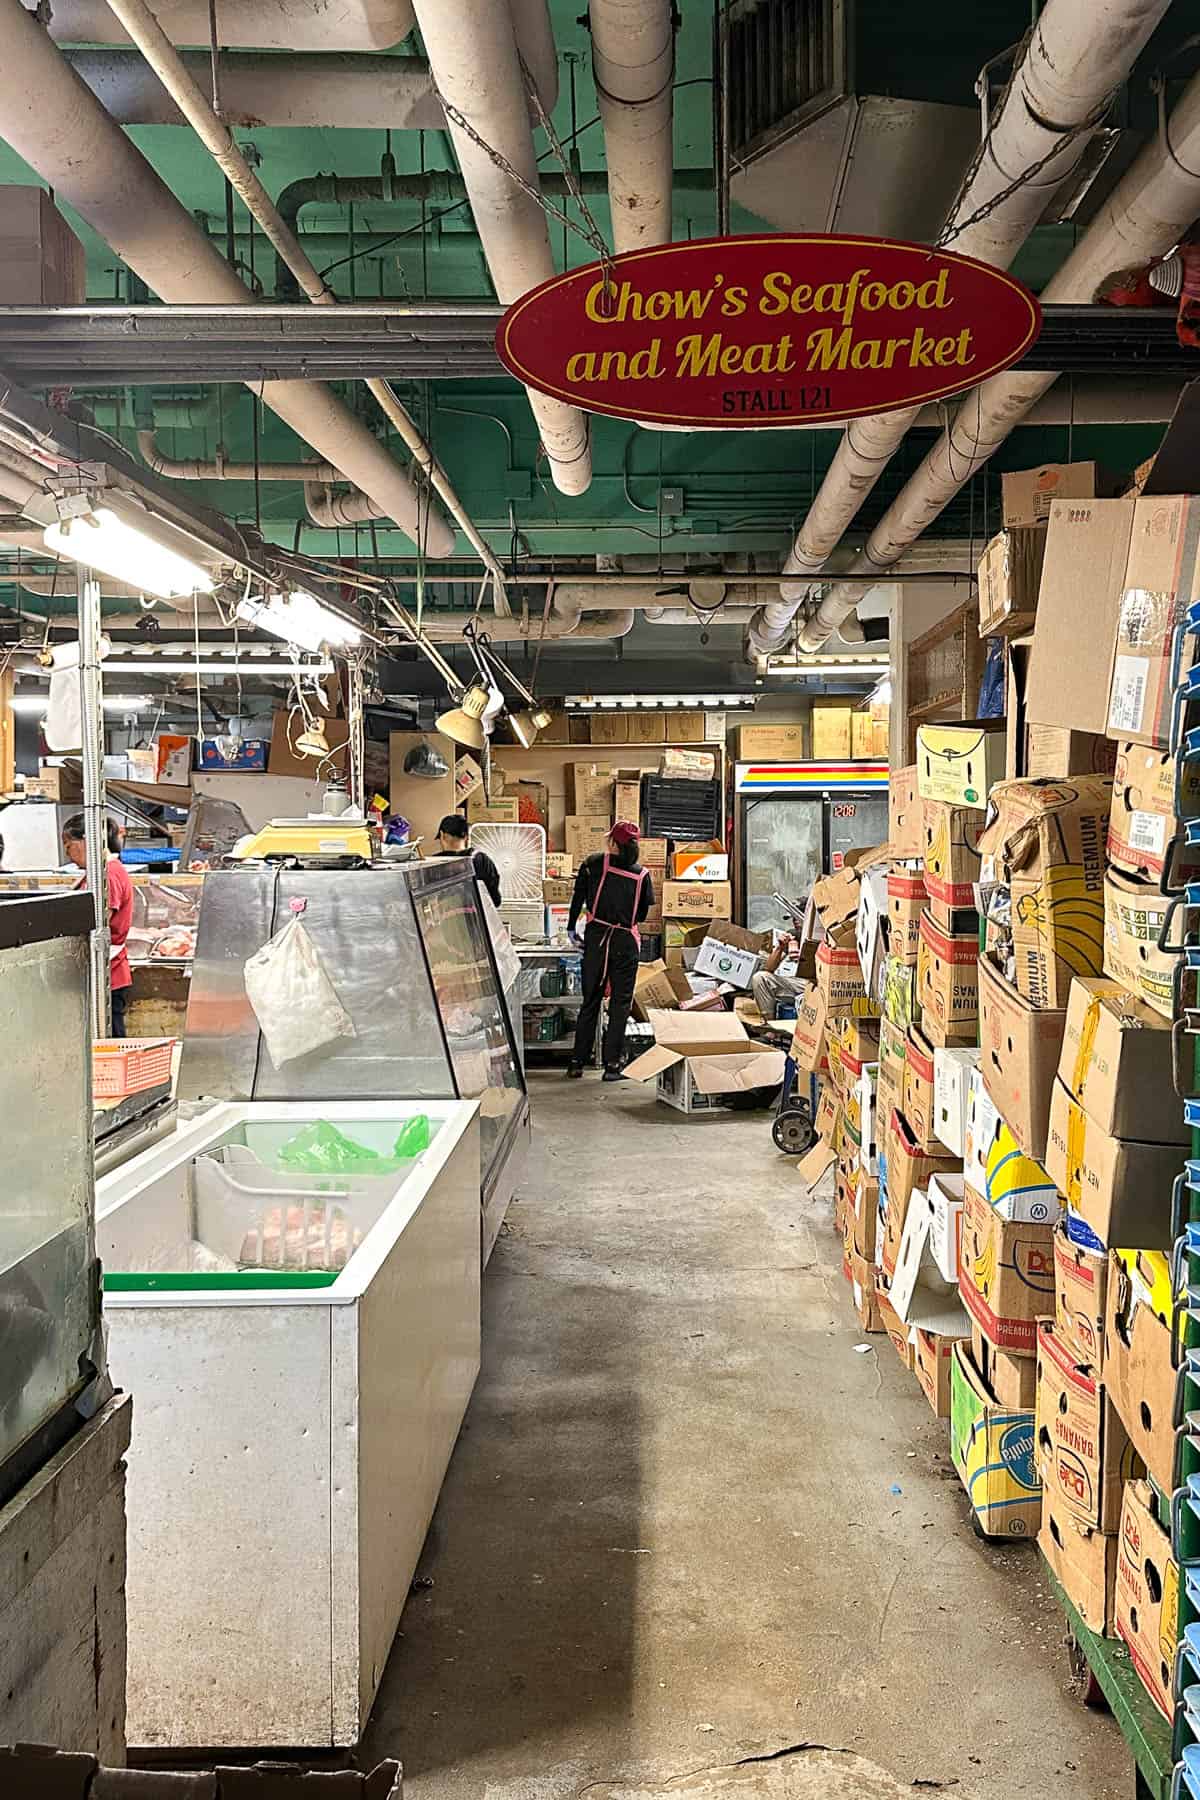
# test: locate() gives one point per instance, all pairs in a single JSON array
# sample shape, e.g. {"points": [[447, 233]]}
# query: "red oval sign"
{"points": [[770, 330]]}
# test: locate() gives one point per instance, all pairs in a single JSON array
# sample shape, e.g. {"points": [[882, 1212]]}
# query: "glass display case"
{"points": [[408, 952], [49, 1300]]}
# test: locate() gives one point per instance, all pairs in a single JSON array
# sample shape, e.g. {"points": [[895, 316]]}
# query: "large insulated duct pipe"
{"points": [[472, 51], [52, 119], [362, 93], [249, 24], [219, 468], [1077, 54], [633, 65], [1147, 212], [447, 628]]}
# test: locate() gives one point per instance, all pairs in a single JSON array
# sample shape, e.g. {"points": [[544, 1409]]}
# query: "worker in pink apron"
{"points": [[616, 893]]}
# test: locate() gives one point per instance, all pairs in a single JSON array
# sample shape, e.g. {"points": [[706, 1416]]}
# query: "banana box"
{"points": [[958, 763], [1005, 1274], [950, 853], [1080, 1292], [992, 1447], [1046, 841], [1083, 1450], [1134, 917], [1138, 1368], [1147, 1595], [1015, 1186]]}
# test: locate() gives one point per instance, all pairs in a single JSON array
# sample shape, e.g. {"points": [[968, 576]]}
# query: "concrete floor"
{"points": [[671, 1537]]}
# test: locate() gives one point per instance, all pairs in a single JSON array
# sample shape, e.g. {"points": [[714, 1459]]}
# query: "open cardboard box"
{"points": [[716, 1048]]}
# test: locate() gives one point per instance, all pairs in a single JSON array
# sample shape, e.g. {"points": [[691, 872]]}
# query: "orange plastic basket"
{"points": [[123, 1066]]}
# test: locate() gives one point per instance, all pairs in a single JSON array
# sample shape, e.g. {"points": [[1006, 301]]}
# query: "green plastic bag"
{"points": [[415, 1136], [321, 1149]]}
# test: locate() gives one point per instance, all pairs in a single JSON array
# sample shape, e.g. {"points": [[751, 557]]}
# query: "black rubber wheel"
{"points": [[792, 1130]]}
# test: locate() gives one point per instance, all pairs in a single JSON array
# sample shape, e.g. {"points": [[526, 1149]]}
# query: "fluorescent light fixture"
{"points": [[301, 619], [28, 703], [132, 547], [183, 665], [589, 702]]}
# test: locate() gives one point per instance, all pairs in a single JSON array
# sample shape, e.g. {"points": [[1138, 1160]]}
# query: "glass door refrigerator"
{"points": [[794, 822]]}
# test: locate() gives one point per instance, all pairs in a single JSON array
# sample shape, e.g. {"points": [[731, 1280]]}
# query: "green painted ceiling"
{"points": [[739, 493]]}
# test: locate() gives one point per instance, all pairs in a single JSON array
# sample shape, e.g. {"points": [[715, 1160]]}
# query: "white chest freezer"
{"points": [[300, 1350]]}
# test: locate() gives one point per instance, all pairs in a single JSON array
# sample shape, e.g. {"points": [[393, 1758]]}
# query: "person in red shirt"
{"points": [[120, 910]]}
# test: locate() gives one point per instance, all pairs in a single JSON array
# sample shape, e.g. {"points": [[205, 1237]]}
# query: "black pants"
{"points": [[622, 951], [118, 997]]}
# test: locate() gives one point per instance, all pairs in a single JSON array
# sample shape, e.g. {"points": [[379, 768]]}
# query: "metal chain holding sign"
{"points": [[589, 231]]}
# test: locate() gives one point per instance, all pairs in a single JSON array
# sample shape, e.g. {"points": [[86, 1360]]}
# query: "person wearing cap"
{"points": [[616, 893]]}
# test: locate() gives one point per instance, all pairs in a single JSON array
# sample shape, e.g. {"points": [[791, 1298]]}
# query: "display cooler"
{"points": [[301, 1346], [794, 822], [50, 1352]]}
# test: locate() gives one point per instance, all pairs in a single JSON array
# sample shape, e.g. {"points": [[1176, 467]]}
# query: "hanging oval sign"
{"points": [[767, 330]]}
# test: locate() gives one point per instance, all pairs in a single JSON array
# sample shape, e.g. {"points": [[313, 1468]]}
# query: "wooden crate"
{"points": [[944, 670]]}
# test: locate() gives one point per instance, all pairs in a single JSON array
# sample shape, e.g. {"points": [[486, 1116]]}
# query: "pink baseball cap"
{"points": [[624, 833]]}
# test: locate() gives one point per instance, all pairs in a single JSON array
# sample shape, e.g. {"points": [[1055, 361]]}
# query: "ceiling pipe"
{"points": [[250, 24], [1146, 213], [319, 91], [347, 507], [432, 531], [221, 469], [633, 66], [50, 117], [1077, 53], [447, 628], [473, 53]]}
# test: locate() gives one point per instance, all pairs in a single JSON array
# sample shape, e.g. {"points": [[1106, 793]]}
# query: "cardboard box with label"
{"points": [[868, 737], [898, 1332], [590, 790], [1146, 1605], [1162, 578], [627, 795], [1119, 1187], [1027, 495], [840, 980], [1143, 824], [952, 1065], [1070, 671], [1083, 1452], [558, 891], [771, 743], [862, 1288], [906, 818], [657, 988], [957, 764], [647, 727], [727, 961], [918, 1107], [1045, 840], [991, 1446], [559, 866], [931, 1365], [950, 851], [808, 1039], [1116, 1061], [1016, 1186], [583, 836], [700, 862], [835, 897], [1080, 1293], [908, 1168], [609, 728], [1005, 1275], [1083, 1561], [863, 1222], [832, 733], [1134, 918], [1013, 1379], [947, 983], [1020, 1047], [697, 900], [713, 1050], [905, 904], [1139, 1370], [1010, 573]]}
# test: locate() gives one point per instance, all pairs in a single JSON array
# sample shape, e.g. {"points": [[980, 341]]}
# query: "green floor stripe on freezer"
{"points": [[1142, 1725], [235, 1281]]}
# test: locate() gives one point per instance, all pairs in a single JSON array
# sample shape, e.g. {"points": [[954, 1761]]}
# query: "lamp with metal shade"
{"points": [[534, 717], [464, 722]]}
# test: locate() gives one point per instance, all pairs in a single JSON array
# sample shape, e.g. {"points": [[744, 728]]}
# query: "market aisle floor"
{"points": [[683, 1525]]}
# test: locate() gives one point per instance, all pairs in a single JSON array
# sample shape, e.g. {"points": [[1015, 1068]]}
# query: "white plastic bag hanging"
{"points": [[294, 1001]]}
